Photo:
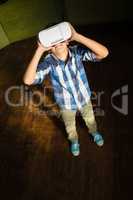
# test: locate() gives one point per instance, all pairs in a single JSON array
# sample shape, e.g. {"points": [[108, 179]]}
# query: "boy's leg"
{"points": [[69, 120], [89, 117]]}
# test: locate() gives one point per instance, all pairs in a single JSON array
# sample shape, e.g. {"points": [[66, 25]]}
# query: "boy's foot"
{"points": [[98, 139], [75, 148]]}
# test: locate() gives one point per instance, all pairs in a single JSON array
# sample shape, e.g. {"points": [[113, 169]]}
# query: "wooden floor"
{"points": [[35, 161]]}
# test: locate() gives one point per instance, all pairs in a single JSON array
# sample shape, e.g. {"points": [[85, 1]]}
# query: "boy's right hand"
{"points": [[41, 48]]}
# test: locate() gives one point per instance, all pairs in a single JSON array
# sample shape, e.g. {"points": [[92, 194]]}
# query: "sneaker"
{"points": [[75, 149], [98, 139]]}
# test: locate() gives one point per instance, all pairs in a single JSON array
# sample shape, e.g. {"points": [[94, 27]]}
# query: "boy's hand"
{"points": [[41, 48], [74, 33]]}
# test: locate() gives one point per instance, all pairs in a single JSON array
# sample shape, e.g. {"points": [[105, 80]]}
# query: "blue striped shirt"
{"points": [[69, 81]]}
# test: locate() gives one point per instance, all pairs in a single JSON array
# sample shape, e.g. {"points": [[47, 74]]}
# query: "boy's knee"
{"points": [[71, 132], [70, 128], [90, 119]]}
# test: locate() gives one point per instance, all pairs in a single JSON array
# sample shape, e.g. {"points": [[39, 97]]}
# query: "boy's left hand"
{"points": [[74, 33]]}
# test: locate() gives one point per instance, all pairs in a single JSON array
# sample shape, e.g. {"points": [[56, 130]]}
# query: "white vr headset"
{"points": [[55, 34]]}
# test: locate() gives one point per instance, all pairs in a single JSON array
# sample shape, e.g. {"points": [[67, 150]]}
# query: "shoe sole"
{"points": [[76, 154], [100, 143]]}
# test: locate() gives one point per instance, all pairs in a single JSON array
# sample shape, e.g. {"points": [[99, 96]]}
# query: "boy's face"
{"points": [[59, 48]]}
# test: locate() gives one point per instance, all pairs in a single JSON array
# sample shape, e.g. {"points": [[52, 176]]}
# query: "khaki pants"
{"points": [[69, 118]]}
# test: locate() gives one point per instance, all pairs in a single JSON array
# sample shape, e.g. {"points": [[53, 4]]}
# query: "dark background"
{"points": [[23, 19]]}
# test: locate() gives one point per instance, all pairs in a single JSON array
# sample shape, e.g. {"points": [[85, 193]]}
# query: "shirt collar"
{"points": [[58, 61]]}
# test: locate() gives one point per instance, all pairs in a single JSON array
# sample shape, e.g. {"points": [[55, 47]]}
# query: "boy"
{"points": [[69, 81]]}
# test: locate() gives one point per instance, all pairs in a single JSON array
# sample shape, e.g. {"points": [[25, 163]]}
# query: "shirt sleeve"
{"points": [[86, 54], [42, 70]]}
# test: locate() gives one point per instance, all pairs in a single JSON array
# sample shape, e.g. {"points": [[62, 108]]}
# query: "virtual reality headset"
{"points": [[55, 34]]}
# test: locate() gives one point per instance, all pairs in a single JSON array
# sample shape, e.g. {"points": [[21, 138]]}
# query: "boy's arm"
{"points": [[99, 50], [30, 73]]}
